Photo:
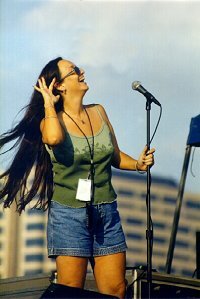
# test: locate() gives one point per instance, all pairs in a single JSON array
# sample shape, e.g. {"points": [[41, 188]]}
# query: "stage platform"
{"points": [[163, 286]]}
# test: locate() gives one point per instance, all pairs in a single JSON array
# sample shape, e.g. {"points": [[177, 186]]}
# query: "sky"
{"points": [[116, 43]]}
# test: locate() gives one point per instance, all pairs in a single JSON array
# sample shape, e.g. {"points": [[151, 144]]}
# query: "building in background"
{"points": [[23, 238], [132, 204], [23, 243]]}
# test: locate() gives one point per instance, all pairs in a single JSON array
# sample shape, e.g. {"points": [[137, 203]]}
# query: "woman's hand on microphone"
{"points": [[145, 159]]}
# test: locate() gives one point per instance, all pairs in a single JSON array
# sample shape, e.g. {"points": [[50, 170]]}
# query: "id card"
{"points": [[84, 190]]}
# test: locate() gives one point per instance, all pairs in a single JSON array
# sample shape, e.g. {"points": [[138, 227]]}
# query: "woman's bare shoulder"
{"points": [[95, 106], [100, 108]]}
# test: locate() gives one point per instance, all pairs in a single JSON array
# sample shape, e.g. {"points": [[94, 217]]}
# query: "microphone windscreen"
{"points": [[136, 84]]}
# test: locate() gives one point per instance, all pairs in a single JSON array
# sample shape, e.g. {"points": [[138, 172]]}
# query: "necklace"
{"points": [[81, 120]]}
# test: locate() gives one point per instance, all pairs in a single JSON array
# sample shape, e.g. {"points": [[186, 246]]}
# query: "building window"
{"points": [[134, 236], [35, 226], [169, 199], [181, 257], [35, 242], [159, 240], [127, 193], [193, 205], [154, 197], [34, 258], [182, 244], [159, 225], [183, 229], [35, 212], [134, 221], [143, 195]]}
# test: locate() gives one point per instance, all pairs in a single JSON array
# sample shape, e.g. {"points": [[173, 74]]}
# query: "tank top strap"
{"points": [[100, 115]]}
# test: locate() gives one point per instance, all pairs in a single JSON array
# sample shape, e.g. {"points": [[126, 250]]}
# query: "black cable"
{"points": [[151, 221], [157, 124]]}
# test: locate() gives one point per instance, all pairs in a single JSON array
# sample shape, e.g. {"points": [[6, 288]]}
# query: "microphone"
{"points": [[136, 85]]}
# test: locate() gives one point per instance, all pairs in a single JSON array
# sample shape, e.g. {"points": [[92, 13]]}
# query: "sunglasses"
{"points": [[75, 70]]}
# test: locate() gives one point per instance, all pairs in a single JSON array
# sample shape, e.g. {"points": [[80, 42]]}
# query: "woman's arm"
{"points": [[50, 127], [124, 161]]}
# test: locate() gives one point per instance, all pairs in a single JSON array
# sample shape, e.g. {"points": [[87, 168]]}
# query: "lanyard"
{"points": [[91, 175], [91, 148]]}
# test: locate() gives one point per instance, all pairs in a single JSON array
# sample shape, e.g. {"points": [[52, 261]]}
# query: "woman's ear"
{"points": [[60, 87]]}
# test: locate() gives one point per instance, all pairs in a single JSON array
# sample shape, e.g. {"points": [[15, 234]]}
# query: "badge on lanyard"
{"points": [[84, 190]]}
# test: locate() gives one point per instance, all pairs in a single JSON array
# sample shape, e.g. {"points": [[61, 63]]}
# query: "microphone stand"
{"points": [[149, 231]]}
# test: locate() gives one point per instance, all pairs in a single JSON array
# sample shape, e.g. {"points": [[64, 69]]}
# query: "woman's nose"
{"points": [[82, 71]]}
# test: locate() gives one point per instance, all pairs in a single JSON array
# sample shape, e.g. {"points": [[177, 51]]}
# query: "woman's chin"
{"points": [[84, 85]]}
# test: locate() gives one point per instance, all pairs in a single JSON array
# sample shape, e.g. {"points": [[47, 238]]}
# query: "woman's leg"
{"points": [[109, 271], [71, 270]]}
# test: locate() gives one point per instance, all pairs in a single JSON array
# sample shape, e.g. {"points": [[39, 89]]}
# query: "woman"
{"points": [[72, 147]]}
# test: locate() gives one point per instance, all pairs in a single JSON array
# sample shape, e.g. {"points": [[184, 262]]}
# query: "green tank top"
{"points": [[71, 162]]}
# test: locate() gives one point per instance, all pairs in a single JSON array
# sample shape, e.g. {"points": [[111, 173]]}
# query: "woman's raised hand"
{"points": [[47, 92]]}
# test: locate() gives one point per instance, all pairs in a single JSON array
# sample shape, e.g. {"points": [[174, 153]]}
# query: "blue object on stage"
{"points": [[194, 134]]}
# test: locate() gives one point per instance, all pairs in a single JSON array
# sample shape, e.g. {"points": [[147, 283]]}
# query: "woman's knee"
{"points": [[71, 271], [118, 289], [115, 289]]}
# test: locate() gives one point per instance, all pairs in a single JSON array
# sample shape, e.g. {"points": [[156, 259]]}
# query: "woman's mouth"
{"points": [[82, 79]]}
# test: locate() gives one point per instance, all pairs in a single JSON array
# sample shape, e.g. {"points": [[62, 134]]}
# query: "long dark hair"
{"points": [[31, 153]]}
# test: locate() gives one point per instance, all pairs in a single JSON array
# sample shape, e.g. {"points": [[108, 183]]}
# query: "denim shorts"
{"points": [[68, 232]]}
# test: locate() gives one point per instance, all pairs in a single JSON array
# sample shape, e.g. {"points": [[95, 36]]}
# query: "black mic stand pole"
{"points": [[149, 232]]}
